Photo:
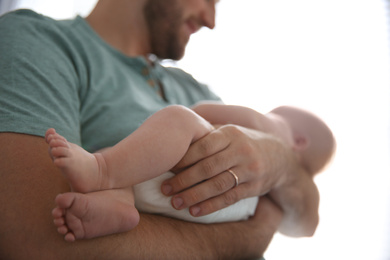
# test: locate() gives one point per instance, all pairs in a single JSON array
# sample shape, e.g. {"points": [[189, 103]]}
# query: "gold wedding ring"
{"points": [[234, 175]]}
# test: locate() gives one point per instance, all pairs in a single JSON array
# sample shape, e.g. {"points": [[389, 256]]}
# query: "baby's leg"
{"points": [[84, 171], [155, 147], [83, 216]]}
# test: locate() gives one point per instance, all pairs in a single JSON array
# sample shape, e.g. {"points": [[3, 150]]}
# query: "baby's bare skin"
{"points": [[164, 139], [95, 214], [99, 212], [91, 209], [84, 171]]}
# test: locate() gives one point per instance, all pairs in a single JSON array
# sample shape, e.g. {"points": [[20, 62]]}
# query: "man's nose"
{"points": [[208, 15]]}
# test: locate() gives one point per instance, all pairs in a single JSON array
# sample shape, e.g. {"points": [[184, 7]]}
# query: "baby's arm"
{"points": [[270, 123], [220, 114]]}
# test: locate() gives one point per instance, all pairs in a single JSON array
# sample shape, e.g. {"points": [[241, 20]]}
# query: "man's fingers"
{"points": [[202, 171], [221, 201], [210, 144], [208, 189], [214, 194]]}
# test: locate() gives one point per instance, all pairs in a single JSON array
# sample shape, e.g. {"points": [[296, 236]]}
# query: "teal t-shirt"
{"points": [[61, 74]]}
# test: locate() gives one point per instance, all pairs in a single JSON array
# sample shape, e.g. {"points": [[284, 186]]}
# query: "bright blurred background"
{"points": [[330, 57]]}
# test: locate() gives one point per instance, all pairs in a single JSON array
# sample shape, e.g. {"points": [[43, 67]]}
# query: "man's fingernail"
{"points": [[195, 211], [166, 189], [177, 202]]}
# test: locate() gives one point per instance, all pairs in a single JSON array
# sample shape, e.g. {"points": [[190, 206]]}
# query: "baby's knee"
{"points": [[177, 109], [178, 112], [181, 117]]}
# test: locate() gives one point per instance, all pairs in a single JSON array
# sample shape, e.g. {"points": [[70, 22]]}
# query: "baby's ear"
{"points": [[301, 142]]}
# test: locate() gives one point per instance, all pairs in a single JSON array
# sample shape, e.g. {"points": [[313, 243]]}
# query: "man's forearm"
{"points": [[155, 237], [29, 183], [183, 240]]}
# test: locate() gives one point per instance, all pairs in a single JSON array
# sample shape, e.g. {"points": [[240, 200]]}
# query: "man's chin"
{"points": [[176, 55]]}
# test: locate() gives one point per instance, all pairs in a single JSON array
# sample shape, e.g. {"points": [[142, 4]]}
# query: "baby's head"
{"points": [[313, 140]]}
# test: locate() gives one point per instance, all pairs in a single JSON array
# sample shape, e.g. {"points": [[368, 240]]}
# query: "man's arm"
{"points": [[29, 183]]}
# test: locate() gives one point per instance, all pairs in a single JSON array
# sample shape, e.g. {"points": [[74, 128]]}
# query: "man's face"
{"points": [[171, 23]]}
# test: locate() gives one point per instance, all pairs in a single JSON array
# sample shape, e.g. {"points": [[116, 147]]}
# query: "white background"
{"points": [[330, 57]]}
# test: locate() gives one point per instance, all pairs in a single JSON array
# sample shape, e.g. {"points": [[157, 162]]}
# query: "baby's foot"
{"points": [[83, 216], [84, 171]]}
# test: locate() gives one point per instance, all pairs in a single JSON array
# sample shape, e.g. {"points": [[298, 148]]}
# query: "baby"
{"points": [[102, 197]]}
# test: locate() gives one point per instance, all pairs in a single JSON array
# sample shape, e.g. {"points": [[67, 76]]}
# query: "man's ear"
{"points": [[301, 142]]}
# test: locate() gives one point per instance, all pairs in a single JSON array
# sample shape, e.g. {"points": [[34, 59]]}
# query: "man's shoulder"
{"points": [[189, 85], [25, 22], [178, 72], [21, 13], [182, 76], [22, 17]]}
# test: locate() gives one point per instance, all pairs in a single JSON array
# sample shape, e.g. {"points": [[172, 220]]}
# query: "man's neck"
{"points": [[122, 25]]}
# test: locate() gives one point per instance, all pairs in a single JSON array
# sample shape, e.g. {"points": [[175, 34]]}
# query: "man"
{"points": [[95, 75]]}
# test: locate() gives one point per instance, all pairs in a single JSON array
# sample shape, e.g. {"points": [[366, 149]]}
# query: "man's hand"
{"points": [[262, 163], [256, 158]]}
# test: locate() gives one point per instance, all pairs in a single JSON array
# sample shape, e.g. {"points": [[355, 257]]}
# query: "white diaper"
{"points": [[149, 199]]}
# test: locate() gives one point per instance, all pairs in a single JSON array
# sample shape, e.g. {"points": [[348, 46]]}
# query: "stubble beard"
{"points": [[164, 19]]}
